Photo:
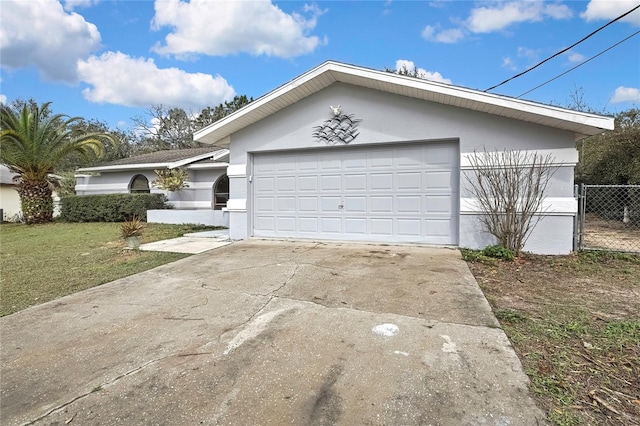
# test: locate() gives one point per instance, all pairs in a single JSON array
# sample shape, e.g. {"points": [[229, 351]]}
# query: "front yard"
{"points": [[573, 320], [43, 262], [575, 324]]}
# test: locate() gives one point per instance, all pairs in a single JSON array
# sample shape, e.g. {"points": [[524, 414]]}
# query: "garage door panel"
{"points": [[408, 158], [286, 205], [330, 204], [438, 180], [355, 182], [353, 204], [331, 183], [441, 156], [409, 227], [265, 184], [355, 226], [308, 205], [408, 181], [286, 184], [265, 205], [286, 224], [381, 204], [442, 204], [308, 183], [382, 227], [381, 182], [331, 225], [387, 194], [309, 225], [408, 204]]}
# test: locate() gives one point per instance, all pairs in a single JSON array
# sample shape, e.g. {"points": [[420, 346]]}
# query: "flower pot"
{"points": [[133, 242]]}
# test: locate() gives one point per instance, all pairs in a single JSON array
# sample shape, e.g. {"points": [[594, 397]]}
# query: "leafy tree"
{"points": [[210, 115], [33, 144], [612, 157], [173, 128]]}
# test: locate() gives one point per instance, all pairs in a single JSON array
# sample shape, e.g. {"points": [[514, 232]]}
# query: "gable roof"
{"points": [[581, 123], [169, 159]]}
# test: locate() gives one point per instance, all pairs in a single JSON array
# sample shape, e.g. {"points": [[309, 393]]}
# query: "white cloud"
{"points": [[575, 57], [509, 64], [227, 27], [122, 80], [626, 94], [70, 5], [3, 99], [608, 9], [41, 33], [495, 18], [452, 35], [402, 64]]}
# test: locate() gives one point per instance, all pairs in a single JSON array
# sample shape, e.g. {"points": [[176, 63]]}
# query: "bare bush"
{"points": [[510, 187]]}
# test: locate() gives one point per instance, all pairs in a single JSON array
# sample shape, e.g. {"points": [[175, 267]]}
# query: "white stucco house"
{"points": [[202, 202], [9, 198], [353, 154]]}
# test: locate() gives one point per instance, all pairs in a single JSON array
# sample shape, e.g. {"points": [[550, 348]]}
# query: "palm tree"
{"points": [[33, 143]]}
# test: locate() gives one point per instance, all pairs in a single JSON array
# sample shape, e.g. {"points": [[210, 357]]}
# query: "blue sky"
{"points": [[110, 60]]}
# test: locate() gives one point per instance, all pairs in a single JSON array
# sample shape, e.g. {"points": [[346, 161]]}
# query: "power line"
{"points": [[579, 65], [564, 50]]}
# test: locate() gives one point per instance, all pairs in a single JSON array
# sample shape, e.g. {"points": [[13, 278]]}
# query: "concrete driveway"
{"points": [[270, 333]]}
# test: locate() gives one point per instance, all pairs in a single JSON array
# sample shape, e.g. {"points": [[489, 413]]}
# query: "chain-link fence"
{"points": [[609, 217]]}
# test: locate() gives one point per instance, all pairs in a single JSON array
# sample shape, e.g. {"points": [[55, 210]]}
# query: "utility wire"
{"points": [[579, 65], [564, 50]]}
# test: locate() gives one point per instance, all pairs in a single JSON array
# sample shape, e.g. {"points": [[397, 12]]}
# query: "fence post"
{"points": [[582, 210]]}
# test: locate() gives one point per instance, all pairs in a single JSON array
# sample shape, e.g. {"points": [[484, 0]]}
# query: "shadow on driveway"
{"points": [[270, 333]]}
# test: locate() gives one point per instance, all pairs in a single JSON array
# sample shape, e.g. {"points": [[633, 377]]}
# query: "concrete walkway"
{"points": [[270, 333], [193, 243]]}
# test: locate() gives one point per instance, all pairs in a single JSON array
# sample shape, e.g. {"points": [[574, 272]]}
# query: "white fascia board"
{"points": [[214, 155], [203, 166], [581, 123], [120, 167]]}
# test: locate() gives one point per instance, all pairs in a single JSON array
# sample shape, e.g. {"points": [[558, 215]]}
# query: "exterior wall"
{"points": [[198, 195], [198, 217], [388, 118], [9, 203]]}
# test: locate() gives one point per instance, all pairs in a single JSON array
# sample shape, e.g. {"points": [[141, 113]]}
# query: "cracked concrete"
{"points": [[269, 332]]}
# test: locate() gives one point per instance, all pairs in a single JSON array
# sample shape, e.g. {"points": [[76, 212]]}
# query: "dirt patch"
{"points": [[575, 324], [605, 234]]}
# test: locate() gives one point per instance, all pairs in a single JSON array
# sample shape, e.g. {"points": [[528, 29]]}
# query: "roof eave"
{"points": [[580, 123]]}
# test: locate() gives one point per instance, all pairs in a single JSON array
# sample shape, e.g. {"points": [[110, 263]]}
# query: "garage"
{"points": [[396, 193]]}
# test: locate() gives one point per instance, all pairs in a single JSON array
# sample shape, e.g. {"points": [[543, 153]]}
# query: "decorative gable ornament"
{"points": [[341, 128]]}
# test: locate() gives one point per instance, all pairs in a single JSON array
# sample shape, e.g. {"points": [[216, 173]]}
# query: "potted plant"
{"points": [[172, 180], [131, 230]]}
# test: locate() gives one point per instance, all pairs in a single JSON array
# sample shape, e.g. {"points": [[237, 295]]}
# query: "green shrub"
{"points": [[109, 207], [499, 252]]}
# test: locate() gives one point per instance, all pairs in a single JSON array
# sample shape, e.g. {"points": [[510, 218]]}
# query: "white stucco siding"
{"points": [[9, 202], [198, 195], [389, 119]]}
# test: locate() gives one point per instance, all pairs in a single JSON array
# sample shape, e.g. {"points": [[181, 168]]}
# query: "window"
{"points": [[221, 192], [139, 185]]}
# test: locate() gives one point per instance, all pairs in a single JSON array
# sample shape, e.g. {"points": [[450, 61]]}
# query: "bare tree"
{"points": [[510, 188]]}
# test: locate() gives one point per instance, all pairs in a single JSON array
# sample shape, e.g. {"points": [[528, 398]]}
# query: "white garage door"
{"points": [[406, 193]]}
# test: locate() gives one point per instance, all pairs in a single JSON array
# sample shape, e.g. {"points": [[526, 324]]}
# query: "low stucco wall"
{"points": [[192, 216], [552, 235]]}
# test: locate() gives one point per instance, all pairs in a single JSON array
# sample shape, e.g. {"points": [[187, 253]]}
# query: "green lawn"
{"points": [[40, 263]]}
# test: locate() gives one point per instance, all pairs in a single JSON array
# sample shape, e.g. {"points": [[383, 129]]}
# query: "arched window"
{"points": [[139, 185], [221, 192]]}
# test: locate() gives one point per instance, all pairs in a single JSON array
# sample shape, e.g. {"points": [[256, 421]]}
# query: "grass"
{"points": [[575, 323], [40, 263]]}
